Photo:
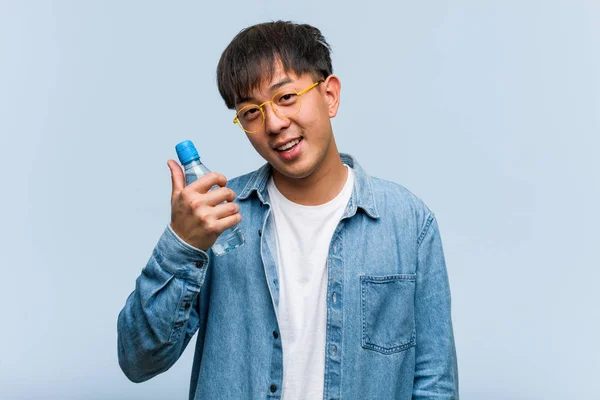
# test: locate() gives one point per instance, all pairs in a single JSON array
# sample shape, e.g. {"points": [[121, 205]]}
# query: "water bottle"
{"points": [[232, 238]]}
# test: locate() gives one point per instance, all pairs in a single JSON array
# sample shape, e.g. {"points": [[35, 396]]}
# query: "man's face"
{"points": [[299, 146]]}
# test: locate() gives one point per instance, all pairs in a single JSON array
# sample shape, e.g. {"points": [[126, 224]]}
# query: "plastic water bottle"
{"points": [[188, 156]]}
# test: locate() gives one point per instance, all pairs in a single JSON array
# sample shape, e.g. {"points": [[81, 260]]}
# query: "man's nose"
{"points": [[274, 124]]}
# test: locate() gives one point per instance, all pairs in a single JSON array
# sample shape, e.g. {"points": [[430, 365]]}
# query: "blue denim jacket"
{"points": [[389, 330]]}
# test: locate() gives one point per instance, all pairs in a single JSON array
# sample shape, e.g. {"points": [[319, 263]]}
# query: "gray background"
{"points": [[487, 110]]}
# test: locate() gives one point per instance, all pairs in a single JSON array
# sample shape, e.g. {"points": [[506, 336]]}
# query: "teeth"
{"points": [[288, 145]]}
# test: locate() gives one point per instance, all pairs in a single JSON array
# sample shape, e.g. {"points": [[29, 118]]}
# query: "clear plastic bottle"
{"points": [[188, 156]]}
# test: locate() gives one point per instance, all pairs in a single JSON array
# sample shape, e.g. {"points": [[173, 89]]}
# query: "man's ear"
{"points": [[332, 87]]}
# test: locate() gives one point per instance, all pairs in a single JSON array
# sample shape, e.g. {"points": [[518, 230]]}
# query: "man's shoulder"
{"points": [[387, 191], [386, 196], [394, 200]]}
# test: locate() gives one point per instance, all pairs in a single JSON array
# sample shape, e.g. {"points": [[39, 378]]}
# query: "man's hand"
{"points": [[197, 216]]}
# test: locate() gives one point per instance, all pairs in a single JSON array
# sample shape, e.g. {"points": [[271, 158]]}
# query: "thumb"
{"points": [[177, 178]]}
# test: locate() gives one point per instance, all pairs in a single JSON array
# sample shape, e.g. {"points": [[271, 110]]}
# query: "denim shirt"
{"points": [[389, 331]]}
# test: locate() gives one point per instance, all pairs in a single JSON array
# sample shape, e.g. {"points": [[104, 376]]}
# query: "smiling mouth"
{"points": [[289, 145]]}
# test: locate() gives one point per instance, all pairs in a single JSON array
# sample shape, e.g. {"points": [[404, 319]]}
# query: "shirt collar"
{"points": [[362, 193]]}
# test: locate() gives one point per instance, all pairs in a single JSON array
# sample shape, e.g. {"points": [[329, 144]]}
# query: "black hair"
{"points": [[251, 57]]}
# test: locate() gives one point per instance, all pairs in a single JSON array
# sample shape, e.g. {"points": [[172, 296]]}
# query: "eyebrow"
{"points": [[273, 87]]}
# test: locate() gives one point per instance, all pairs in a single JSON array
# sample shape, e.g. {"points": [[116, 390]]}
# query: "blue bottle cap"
{"points": [[186, 152]]}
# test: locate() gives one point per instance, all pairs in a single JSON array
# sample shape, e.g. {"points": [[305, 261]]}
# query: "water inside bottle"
{"points": [[229, 240]]}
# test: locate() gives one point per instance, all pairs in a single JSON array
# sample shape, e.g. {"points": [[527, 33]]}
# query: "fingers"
{"points": [[205, 182], [202, 185], [198, 214], [219, 195], [228, 222], [226, 209], [177, 177]]}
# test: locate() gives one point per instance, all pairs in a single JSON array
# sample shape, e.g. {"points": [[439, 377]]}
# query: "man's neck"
{"points": [[318, 188]]}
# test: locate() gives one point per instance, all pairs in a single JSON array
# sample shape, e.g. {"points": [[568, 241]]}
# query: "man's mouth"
{"points": [[289, 145]]}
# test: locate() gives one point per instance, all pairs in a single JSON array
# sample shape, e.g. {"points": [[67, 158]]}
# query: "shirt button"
{"points": [[198, 264], [273, 388], [275, 334], [333, 349], [334, 298]]}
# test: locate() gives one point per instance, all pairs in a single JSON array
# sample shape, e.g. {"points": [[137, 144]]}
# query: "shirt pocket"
{"points": [[388, 313]]}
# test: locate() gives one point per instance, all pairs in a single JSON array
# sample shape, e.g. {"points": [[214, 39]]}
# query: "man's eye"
{"points": [[287, 98], [251, 113]]}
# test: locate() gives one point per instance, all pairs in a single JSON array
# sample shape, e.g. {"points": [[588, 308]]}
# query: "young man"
{"points": [[340, 290]]}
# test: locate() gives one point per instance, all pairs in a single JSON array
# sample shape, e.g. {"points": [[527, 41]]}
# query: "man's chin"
{"points": [[295, 172]]}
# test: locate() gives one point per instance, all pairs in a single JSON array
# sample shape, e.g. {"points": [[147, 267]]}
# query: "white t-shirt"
{"points": [[303, 237]]}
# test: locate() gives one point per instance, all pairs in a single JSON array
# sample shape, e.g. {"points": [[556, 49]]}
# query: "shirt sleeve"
{"points": [[436, 371], [162, 314]]}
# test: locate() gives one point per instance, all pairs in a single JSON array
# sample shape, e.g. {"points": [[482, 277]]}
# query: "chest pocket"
{"points": [[388, 312]]}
